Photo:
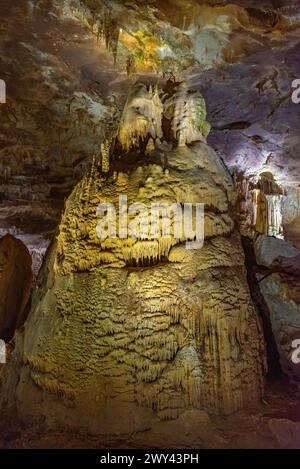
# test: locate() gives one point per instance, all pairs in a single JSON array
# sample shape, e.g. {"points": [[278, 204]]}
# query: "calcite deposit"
{"points": [[126, 331], [121, 121]]}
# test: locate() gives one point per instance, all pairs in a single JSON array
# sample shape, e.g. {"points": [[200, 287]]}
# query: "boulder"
{"points": [[16, 280], [281, 294], [277, 254]]}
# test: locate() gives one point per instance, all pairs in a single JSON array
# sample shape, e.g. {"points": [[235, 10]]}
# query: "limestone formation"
{"points": [[189, 116], [127, 330], [291, 218], [105, 154], [280, 290], [142, 116], [261, 207], [286, 432]]}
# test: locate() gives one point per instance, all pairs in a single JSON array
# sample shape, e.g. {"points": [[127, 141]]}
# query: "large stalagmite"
{"points": [[123, 332]]}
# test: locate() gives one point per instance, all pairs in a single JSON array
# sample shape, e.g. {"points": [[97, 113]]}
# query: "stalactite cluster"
{"points": [[189, 116], [142, 117], [109, 30], [261, 206]]}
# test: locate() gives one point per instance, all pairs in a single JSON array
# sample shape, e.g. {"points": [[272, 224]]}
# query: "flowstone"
{"points": [[126, 331]]}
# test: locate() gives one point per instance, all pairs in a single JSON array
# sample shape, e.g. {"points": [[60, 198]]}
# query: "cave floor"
{"points": [[242, 430]]}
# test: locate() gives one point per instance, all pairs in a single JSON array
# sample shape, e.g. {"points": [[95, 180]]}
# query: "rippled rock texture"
{"points": [[125, 331]]}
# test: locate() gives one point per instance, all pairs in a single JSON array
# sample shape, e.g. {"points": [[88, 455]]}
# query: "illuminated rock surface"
{"points": [[125, 331], [68, 66]]}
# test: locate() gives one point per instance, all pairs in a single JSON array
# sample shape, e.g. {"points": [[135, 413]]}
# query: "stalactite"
{"points": [[242, 185], [268, 185], [255, 194], [142, 117], [268, 218], [109, 30], [262, 213], [189, 116], [105, 153], [131, 66], [274, 203], [260, 205]]}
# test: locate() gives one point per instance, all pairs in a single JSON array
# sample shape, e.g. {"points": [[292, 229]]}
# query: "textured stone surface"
{"points": [[64, 94], [291, 211], [286, 432], [192, 428], [277, 254], [58, 70], [241, 430], [140, 329], [16, 281], [281, 294]]}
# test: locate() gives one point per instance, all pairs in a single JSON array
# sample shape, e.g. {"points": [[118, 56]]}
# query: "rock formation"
{"points": [[277, 254], [142, 116], [281, 294], [279, 286], [260, 206], [64, 73], [16, 282], [127, 330], [188, 116]]}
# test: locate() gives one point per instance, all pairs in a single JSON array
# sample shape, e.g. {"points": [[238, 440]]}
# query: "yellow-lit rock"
{"points": [[125, 331]]}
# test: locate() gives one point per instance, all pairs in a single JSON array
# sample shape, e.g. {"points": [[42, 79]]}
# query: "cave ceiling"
{"points": [[68, 66]]}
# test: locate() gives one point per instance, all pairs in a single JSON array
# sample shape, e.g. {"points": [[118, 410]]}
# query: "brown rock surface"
{"points": [[16, 281], [282, 297], [286, 432]]}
